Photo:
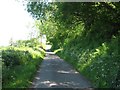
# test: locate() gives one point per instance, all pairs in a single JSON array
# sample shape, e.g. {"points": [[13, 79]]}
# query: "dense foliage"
{"points": [[89, 35], [19, 65], [99, 62]]}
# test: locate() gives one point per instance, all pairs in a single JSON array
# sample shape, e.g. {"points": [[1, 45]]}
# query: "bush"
{"points": [[19, 66], [11, 58]]}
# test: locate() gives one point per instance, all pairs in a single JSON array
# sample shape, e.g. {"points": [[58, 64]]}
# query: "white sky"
{"points": [[15, 22]]}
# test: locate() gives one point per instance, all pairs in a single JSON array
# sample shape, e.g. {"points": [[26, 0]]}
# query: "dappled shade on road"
{"points": [[54, 72]]}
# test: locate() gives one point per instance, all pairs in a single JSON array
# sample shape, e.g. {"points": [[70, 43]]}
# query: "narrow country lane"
{"points": [[56, 73]]}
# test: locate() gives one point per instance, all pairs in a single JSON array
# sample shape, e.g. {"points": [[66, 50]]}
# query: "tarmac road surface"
{"points": [[56, 73]]}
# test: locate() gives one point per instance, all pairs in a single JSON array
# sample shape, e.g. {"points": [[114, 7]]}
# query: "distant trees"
{"points": [[27, 43]]}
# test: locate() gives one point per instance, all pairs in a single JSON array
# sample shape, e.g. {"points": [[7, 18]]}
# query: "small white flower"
{"points": [[102, 69], [103, 75]]}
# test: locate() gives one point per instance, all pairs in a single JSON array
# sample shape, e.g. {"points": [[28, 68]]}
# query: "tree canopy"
{"points": [[70, 14]]}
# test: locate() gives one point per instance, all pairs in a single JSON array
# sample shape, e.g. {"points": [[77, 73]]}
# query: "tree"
{"points": [[71, 14], [11, 42]]}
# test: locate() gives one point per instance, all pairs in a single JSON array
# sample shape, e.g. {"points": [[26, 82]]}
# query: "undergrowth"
{"points": [[19, 66], [95, 57]]}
